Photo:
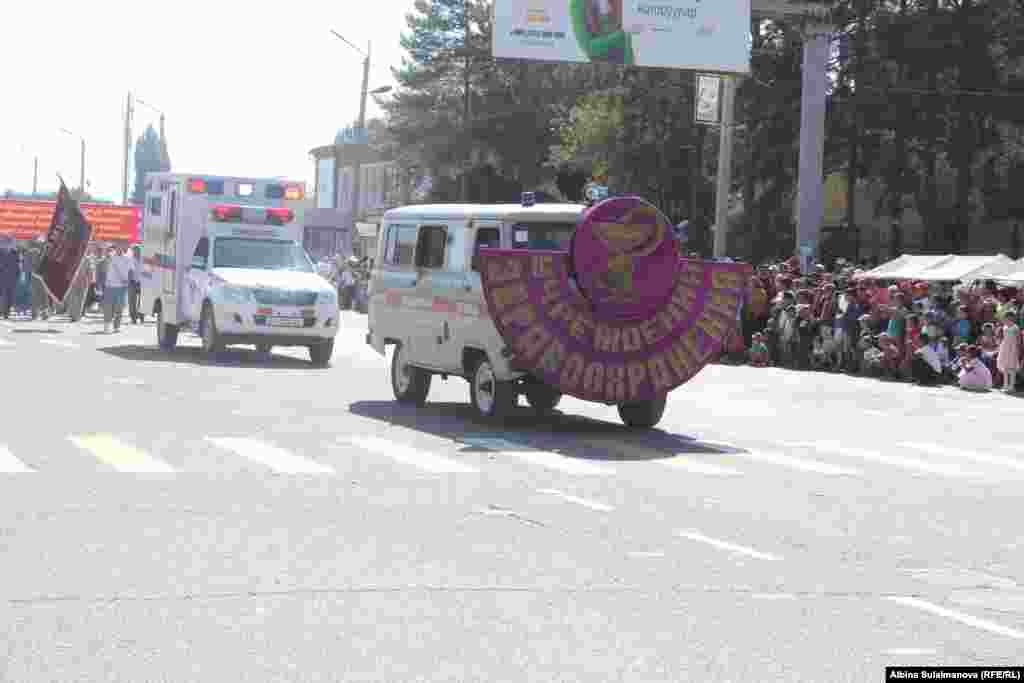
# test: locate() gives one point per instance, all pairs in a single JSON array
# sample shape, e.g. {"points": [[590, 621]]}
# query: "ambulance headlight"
{"points": [[235, 295], [327, 296]]}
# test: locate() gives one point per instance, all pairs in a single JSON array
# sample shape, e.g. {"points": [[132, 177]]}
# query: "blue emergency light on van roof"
{"points": [[529, 199]]}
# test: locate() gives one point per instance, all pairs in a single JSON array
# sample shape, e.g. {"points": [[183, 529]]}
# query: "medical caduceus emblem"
{"points": [[638, 234]]}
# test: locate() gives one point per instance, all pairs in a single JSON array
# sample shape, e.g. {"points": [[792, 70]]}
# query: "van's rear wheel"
{"points": [[643, 414], [491, 399], [409, 383], [542, 398], [320, 354], [166, 335]]}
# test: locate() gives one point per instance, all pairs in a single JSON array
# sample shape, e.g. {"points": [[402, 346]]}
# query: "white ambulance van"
{"points": [[223, 257], [426, 298]]}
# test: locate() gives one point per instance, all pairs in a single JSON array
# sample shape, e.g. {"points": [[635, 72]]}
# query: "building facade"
{"points": [[335, 228]]}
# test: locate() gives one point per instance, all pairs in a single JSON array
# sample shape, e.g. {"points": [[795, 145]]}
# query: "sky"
{"points": [[247, 88]]}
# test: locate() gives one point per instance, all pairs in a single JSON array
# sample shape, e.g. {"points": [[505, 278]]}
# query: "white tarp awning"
{"points": [[964, 268], [905, 267]]}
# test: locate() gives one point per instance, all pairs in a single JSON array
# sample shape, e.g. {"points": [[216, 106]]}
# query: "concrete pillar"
{"points": [[724, 166], [811, 189]]}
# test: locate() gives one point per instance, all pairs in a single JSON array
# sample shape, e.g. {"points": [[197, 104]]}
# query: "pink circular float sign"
{"points": [[625, 258]]}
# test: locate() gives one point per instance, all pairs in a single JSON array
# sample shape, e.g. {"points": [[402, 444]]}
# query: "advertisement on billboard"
{"points": [[671, 34], [706, 99], [27, 220]]}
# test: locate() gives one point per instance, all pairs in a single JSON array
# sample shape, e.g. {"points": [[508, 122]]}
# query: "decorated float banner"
{"points": [[66, 243], [671, 34], [621, 317], [28, 220]]}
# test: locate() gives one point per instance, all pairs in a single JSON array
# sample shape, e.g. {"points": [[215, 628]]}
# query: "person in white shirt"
{"points": [[119, 276]]}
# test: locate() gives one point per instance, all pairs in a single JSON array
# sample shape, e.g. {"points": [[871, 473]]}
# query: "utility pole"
{"points": [[35, 176], [724, 167], [81, 182], [360, 147], [465, 105], [127, 148]]}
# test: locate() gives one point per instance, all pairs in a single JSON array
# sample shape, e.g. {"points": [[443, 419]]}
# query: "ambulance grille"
{"points": [[279, 297]]}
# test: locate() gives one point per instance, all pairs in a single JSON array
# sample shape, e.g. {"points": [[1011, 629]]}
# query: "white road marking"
{"points": [[689, 464], [876, 413], [1012, 463], [726, 545], [121, 456], [547, 459], [9, 463], [59, 342], [784, 460], [593, 505], [975, 622], [910, 651], [4, 342], [277, 459], [773, 596], [894, 460], [645, 554], [408, 455]]}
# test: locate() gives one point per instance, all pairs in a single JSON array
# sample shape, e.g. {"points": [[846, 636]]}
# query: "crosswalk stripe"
{"points": [[407, 455], [689, 464], [9, 463], [121, 456], [1002, 461], [894, 460], [277, 459], [783, 460], [591, 504], [953, 615], [694, 535], [59, 342], [541, 458]]}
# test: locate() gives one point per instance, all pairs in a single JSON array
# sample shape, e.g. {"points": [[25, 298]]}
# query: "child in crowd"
{"points": [[1008, 358], [974, 376], [758, 351]]}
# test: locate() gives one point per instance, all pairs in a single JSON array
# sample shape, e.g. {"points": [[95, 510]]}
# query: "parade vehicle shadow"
{"points": [[232, 358], [574, 436]]}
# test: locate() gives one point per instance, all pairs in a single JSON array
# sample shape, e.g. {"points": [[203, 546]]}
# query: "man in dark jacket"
{"points": [[10, 270]]}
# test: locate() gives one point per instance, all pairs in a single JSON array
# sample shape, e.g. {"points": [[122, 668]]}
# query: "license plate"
{"points": [[286, 322]]}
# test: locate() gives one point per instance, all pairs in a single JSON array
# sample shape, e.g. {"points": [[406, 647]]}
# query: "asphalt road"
{"points": [[171, 517]]}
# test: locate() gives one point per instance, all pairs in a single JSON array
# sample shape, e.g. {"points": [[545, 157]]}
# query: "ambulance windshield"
{"points": [[236, 252], [542, 235]]}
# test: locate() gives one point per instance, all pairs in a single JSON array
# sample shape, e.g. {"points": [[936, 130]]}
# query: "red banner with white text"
{"points": [[28, 220]]}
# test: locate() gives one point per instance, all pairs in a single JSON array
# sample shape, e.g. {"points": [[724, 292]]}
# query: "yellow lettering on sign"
{"points": [[533, 341], [631, 339], [552, 359], [681, 361], [637, 376], [552, 292], [615, 383], [572, 372], [510, 295], [650, 332], [690, 342], [607, 338], [581, 326], [726, 300], [712, 326], [543, 266], [725, 279], [593, 378], [504, 271], [661, 378], [523, 316]]}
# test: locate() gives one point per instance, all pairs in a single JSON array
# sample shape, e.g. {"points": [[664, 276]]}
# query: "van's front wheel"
{"points": [[166, 335], [491, 399], [409, 383], [320, 354], [208, 329], [643, 414]]}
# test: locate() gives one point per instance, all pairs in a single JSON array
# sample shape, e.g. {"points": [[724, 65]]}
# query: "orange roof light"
{"points": [[294, 192], [197, 185]]}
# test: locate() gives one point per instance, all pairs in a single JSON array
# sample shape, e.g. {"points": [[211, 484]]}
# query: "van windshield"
{"points": [[237, 252], [542, 235]]}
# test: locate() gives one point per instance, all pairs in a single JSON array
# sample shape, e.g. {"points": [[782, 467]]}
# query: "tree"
{"points": [[149, 158]]}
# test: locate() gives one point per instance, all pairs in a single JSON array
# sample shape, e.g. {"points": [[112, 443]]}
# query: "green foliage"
{"points": [[589, 138]]}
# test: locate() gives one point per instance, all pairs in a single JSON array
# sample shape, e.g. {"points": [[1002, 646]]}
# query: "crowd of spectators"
{"points": [[966, 334]]}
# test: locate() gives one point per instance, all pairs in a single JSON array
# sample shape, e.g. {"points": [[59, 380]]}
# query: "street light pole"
{"points": [[81, 185], [127, 148], [357, 184]]}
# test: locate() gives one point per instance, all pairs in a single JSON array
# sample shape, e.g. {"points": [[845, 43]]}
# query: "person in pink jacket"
{"points": [[974, 376], [1008, 360]]}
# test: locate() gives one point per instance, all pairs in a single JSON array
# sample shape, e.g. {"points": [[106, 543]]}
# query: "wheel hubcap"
{"points": [[402, 374], [484, 385]]}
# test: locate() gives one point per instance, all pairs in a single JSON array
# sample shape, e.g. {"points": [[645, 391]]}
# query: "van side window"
{"points": [[485, 237], [201, 253], [405, 245], [430, 248]]}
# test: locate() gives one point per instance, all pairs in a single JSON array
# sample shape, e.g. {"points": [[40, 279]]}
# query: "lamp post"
{"points": [[361, 130], [81, 185]]}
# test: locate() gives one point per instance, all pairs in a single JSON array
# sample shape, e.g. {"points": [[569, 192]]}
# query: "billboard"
{"points": [[672, 34], [706, 99], [27, 220]]}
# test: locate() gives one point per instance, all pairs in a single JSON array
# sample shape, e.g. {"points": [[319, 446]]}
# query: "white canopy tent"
{"points": [[903, 267], [937, 268]]}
